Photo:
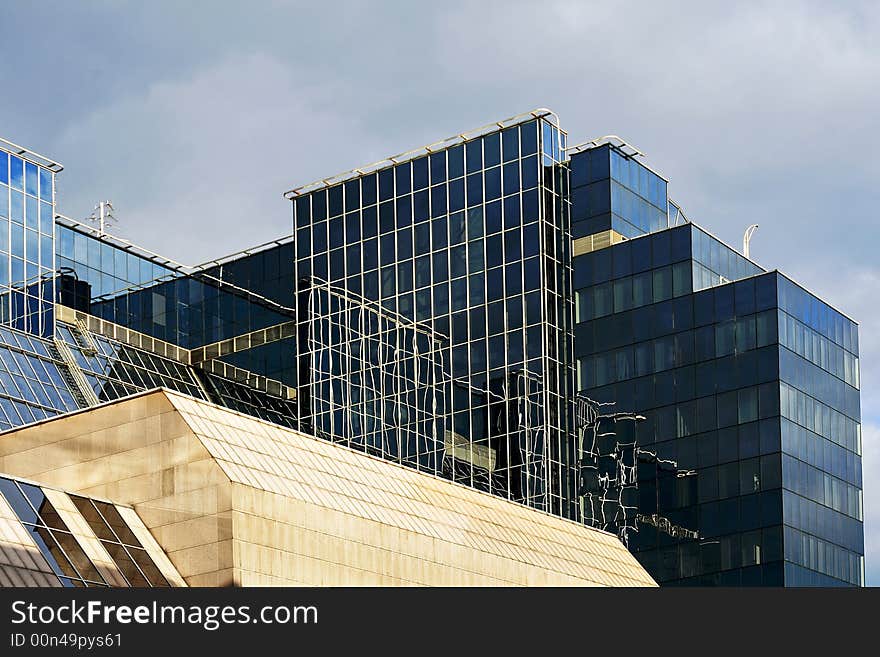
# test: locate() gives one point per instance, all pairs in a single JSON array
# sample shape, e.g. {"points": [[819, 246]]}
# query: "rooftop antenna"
{"points": [[103, 216], [747, 238]]}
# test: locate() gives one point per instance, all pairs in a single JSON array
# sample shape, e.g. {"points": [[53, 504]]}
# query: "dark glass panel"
{"points": [[125, 564], [474, 155], [148, 568], [77, 557], [386, 184], [17, 501], [119, 526]]}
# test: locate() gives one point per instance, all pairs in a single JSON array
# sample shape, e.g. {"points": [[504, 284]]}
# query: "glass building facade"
{"points": [[743, 378], [434, 316], [611, 191], [187, 306], [36, 382], [50, 365], [457, 309], [748, 383], [91, 269], [27, 254]]}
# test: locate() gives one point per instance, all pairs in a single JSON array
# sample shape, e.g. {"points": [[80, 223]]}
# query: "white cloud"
{"points": [[196, 167], [756, 113]]}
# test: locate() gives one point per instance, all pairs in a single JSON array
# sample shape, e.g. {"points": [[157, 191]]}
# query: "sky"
{"points": [[194, 118]]}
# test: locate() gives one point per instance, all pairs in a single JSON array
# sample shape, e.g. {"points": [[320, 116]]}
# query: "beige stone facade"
{"points": [[233, 500]]}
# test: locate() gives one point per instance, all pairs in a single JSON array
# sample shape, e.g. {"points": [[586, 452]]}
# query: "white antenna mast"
{"points": [[103, 216], [747, 238]]}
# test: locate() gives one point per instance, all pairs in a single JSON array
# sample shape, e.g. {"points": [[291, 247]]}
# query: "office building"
{"points": [[532, 320], [744, 378]]}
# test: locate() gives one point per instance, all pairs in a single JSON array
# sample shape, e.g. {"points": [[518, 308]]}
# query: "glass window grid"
{"points": [[26, 246], [692, 447], [741, 415], [56, 542], [629, 174], [670, 316], [118, 370], [818, 349], [676, 412], [276, 360], [186, 310], [820, 418], [821, 452], [613, 191], [470, 246], [817, 314], [798, 576], [559, 369], [121, 544], [813, 380], [853, 493], [663, 354], [192, 312], [823, 522], [375, 439], [628, 292], [822, 487], [715, 263], [811, 552], [107, 268], [632, 215], [256, 404], [750, 558], [31, 384], [818, 383]]}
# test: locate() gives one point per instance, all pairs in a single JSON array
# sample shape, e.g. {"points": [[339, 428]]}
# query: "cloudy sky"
{"points": [[195, 117]]}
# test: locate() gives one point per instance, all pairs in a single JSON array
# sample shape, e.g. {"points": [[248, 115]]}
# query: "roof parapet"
{"points": [[31, 156], [423, 150]]}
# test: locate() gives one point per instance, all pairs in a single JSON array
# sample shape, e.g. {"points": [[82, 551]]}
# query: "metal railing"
{"points": [[423, 150], [618, 142], [76, 380], [31, 156]]}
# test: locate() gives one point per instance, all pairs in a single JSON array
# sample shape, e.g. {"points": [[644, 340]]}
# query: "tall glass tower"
{"points": [[27, 251], [748, 382], [431, 292]]}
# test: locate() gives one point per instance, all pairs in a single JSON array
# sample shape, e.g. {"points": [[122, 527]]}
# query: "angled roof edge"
{"points": [[170, 396]]}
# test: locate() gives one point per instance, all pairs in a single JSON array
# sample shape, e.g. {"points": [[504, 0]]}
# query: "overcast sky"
{"points": [[194, 117]]}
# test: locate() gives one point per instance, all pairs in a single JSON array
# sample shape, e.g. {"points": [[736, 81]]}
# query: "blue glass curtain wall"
{"points": [[455, 261], [752, 383], [27, 211], [188, 310]]}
